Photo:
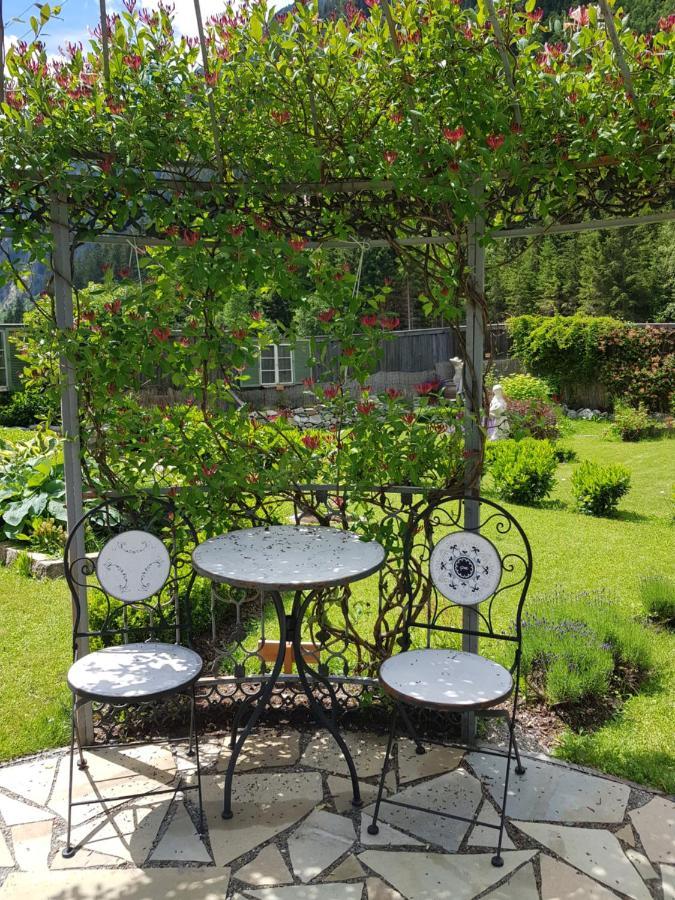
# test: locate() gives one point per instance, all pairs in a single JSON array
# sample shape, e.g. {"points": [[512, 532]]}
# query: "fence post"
{"points": [[63, 303], [473, 393]]}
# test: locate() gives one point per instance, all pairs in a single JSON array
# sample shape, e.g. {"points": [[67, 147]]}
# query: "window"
{"points": [[276, 364]]}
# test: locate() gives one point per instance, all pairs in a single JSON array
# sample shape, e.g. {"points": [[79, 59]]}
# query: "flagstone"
{"points": [[32, 780], [332, 891], [126, 832], [321, 839], [347, 870], [264, 749], [642, 864], [6, 858], [263, 805], [14, 812], [626, 834], [442, 876], [595, 851], [85, 859], [32, 845], [268, 867], [341, 792], [434, 761], [561, 882], [376, 889], [668, 882], [118, 884], [386, 835], [655, 824], [367, 750], [522, 885], [552, 793], [482, 836], [457, 792], [180, 842]]}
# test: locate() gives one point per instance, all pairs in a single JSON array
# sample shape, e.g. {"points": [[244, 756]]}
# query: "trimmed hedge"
{"points": [[634, 364]]}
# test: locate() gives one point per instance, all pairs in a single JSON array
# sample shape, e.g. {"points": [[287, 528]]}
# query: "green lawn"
{"points": [[570, 551]]}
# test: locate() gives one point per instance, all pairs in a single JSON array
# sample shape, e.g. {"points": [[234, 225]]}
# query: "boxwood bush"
{"points": [[522, 471], [597, 489], [525, 387]]}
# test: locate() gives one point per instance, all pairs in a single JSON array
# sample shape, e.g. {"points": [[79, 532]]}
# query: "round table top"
{"points": [[287, 557]]}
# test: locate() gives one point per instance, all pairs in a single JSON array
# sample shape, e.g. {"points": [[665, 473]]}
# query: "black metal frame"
{"points": [[516, 575], [169, 616]]}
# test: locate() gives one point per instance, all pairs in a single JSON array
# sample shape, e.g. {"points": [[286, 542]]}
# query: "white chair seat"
{"points": [[445, 679], [134, 671]]}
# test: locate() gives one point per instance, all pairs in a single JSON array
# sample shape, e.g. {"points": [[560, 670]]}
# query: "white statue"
{"points": [[458, 377], [498, 425]]}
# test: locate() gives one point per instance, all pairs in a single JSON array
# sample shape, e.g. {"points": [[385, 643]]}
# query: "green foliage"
{"points": [[564, 453], [575, 645], [597, 489], [24, 564], [23, 408], [636, 364], [631, 423], [525, 387], [47, 536], [31, 484], [523, 471], [657, 595], [533, 418]]}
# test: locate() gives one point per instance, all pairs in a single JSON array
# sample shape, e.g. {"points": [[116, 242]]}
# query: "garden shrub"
{"points": [[632, 423], [563, 453], [23, 408], [525, 387], [636, 364], [532, 418], [522, 471], [597, 489], [47, 536], [657, 593], [582, 647]]}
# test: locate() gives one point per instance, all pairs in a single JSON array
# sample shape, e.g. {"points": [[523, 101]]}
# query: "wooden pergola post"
{"points": [[70, 423]]}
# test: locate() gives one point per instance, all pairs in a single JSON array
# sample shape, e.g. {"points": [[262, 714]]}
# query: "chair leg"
{"points": [[191, 739], [410, 728], [69, 851], [520, 768], [373, 827], [497, 858], [194, 736]]}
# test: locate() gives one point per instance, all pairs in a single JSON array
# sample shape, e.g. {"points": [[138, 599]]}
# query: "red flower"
{"points": [[390, 323], [124, 272], [579, 15], [667, 23], [453, 165], [239, 334], [184, 341], [427, 387], [262, 224], [298, 244], [162, 334], [133, 61], [236, 230], [390, 157], [536, 15], [371, 3], [88, 315], [369, 321], [115, 107], [494, 141], [106, 163], [331, 392], [172, 231], [209, 471], [281, 116], [516, 128], [409, 418], [348, 351], [211, 78], [396, 116], [256, 315], [393, 394], [311, 441], [190, 237], [644, 125], [365, 407], [113, 308], [454, 134], [308, 382], [327, 315]]}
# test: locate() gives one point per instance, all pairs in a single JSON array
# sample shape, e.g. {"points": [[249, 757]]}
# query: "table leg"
{"points": [[322, 718], [262, 701]]}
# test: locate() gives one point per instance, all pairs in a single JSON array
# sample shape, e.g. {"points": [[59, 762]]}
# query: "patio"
{"points": [[295, 835]]}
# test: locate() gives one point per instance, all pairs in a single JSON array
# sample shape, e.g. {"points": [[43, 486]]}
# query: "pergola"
{"points": [[222, 193]]}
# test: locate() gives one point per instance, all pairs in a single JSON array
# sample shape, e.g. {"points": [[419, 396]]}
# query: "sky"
{"points": [[78, 17]]}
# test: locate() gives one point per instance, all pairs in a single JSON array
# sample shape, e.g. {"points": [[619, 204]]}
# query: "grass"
{"points": [[34, 658], [570, 550]]}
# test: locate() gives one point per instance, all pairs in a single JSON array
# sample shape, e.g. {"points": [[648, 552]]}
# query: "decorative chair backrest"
{"points": [[136, 570], [465, 567]]}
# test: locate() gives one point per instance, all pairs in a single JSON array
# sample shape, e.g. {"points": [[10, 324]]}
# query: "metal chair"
{"points": [[466, 569], [142, 616]]}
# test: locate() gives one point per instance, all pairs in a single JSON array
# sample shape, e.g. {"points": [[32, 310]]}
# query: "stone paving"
{"points": [[571, 834]]}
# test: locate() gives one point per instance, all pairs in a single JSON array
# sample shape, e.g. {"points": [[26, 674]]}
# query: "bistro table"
{"points": [[279, 558]]}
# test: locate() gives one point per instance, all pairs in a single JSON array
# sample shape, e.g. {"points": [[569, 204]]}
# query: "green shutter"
{"points": [[301, 353]]}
